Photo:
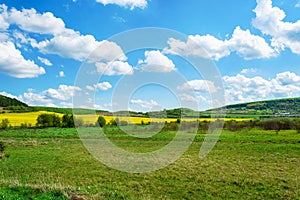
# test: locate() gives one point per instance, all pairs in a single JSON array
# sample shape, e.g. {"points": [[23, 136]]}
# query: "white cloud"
{"points": [[143, 103], [269, 20], [103, 86], [114, 68], [199, 85], [249, 46], [156, 62], [66, 104], [64, 92], [126, 3], [91, 88], [8, 95], [14, 64], [240, 88], [187, 97], [64, 42], [50, 97], [203, 46], [45, 61], [61, 74], [35, 99], [31, 21], [3, 17], [242, 42], [286, 78], [248, 71], [81, 47], [297, 5]]}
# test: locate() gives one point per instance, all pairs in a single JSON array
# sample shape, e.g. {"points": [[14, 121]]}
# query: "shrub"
{"points": [[48, 120], [68, 121], [101, 121], [4, 124]]}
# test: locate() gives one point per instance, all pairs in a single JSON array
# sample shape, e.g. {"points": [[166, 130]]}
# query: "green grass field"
{"points": [[53, 164]]}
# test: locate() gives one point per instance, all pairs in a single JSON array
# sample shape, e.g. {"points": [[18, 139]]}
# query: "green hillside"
{"points": [[287, 106], [7, 101]]}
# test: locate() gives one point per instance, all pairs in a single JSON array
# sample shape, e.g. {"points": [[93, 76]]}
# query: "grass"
{"points": [[247, 164]]}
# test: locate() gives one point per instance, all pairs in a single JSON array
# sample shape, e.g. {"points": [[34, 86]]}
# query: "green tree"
{"points": [[67, 121], [4, 124], [48, 120], [101, 121]]}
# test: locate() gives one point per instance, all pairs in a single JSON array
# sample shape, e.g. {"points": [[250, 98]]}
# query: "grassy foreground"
{"points": [[53, 164]]}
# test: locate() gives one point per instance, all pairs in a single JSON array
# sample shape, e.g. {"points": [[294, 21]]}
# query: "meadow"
{"points": [[247, 164]]}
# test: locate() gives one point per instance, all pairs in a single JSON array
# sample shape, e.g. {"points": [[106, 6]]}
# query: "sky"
{"points": [[254, 46]]}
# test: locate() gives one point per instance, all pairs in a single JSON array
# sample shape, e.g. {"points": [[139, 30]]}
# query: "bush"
{"points": [[48, 120], [101, 121], [68, 121], [4, 124]]}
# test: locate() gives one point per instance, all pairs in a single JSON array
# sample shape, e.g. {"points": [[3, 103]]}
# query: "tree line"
{"points": [[69, 121]]}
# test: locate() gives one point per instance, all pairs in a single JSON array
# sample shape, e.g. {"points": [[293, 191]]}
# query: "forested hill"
{"points": [[288, 106], [7, 101]]}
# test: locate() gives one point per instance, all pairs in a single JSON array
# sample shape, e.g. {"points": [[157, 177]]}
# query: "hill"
{"points": [[7, 101], [277, 107]]}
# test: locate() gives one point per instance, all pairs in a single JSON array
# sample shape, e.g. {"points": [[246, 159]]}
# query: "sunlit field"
{"points": [[16, 119], [54, 164]]}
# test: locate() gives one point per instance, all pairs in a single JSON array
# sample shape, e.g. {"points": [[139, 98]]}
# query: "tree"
{"points": [[68, 121], [48, 120], [101, 121], [4, 123]]}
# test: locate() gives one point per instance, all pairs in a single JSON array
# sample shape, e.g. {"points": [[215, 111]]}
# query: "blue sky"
{"points": [[255, 45]]}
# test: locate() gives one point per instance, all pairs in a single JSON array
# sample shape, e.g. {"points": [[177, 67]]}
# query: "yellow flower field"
{"points": [[16, 119]]}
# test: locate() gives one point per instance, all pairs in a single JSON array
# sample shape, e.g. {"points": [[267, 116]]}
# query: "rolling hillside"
{"points": [[279, 107], [7, 101]]}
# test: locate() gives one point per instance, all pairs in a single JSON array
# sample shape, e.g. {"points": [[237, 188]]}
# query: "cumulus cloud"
{"points": [[64, 92], [155, 61], [103, 86], [269, 20], [114, 68], [249, 46], [35, 99], [14, 64], [61, 74], [248, 70], [187, 97], [50, 97], [63, 41], [8, 95], [199, 85], [206, 46], [31, 21], [240, 88], [242, 42], [45, 61], [126, 3], [3, 17], [143, 103]]}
